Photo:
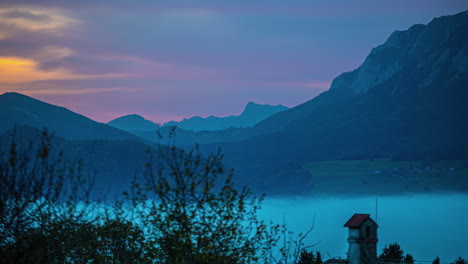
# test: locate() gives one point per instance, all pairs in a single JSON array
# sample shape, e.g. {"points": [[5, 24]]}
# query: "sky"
{"points": [[168, 60]]}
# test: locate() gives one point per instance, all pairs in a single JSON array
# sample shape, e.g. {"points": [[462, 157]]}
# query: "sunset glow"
{"points": [[219, 55], [18, 70]]}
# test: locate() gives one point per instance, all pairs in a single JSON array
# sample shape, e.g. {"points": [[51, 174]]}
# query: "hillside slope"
{"points": [[133, 123], [18, 110]]}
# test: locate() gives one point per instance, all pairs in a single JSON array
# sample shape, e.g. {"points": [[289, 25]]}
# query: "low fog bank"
{"points": [[425, 226]]}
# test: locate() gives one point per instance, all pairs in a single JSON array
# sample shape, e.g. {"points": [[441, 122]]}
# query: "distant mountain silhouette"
{"points": [[133, 123], [17, 109], [252, 114]]}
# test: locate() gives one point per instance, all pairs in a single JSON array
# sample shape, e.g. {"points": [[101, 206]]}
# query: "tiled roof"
{"points": [[356, 220]]}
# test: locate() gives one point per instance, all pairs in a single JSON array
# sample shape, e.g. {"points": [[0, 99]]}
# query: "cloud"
{"points": [[65, 91], [17, 70], [36, 19], [316, 85], [19, 14], [22, 70]]}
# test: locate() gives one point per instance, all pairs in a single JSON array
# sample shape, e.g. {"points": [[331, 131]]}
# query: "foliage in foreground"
{"points": [[196, 214], [188, 204], [74, 242]]}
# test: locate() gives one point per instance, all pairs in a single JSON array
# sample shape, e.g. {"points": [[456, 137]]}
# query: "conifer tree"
{"points": [[306, 257], [318, 259]]}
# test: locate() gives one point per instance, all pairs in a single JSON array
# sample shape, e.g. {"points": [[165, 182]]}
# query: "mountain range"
{"points": [[252, 114], [198, 130], [407, 101]]}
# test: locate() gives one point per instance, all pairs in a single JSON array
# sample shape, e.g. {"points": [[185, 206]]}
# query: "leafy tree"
{"points": [[32, 179], [436, 260], [40, 220], [460, 260], [392, 253], [196, 214]]}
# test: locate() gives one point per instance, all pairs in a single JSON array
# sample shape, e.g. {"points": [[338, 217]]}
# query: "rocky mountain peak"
{"points": [[443, 39]]}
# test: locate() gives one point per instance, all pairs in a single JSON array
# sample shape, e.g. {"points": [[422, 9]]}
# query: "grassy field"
{"points": [[386, 176]]}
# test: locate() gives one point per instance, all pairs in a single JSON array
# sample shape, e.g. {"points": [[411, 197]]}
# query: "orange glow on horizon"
{"points": [[19, 70], [22, 70]]}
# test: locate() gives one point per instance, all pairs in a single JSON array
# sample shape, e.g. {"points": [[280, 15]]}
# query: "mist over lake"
{"points": [[425, 226]]}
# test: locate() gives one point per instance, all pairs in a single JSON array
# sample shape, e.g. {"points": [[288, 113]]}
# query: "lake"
{"points": [[425, 226]]}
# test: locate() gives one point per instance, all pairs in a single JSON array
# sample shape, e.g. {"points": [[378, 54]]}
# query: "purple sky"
{"points": [[171, 59]]}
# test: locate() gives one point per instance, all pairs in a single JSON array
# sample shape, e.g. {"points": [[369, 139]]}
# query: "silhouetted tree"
{"points": [[436, 260], [392, 253], [306, 257], [81, 242], [460, 260], [45, 214], [408, 259], [318, 259], [32, 179], [196, 214], [189, 207]]}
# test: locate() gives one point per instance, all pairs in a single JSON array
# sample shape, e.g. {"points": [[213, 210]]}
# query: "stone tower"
{"points": [[362, 239]]}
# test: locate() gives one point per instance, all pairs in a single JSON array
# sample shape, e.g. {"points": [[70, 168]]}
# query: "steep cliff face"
{"points": [[423, 63], [444, 39]]}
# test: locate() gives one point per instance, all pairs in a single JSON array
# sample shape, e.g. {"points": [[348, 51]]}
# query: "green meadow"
{"points": [[386, 176]]}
